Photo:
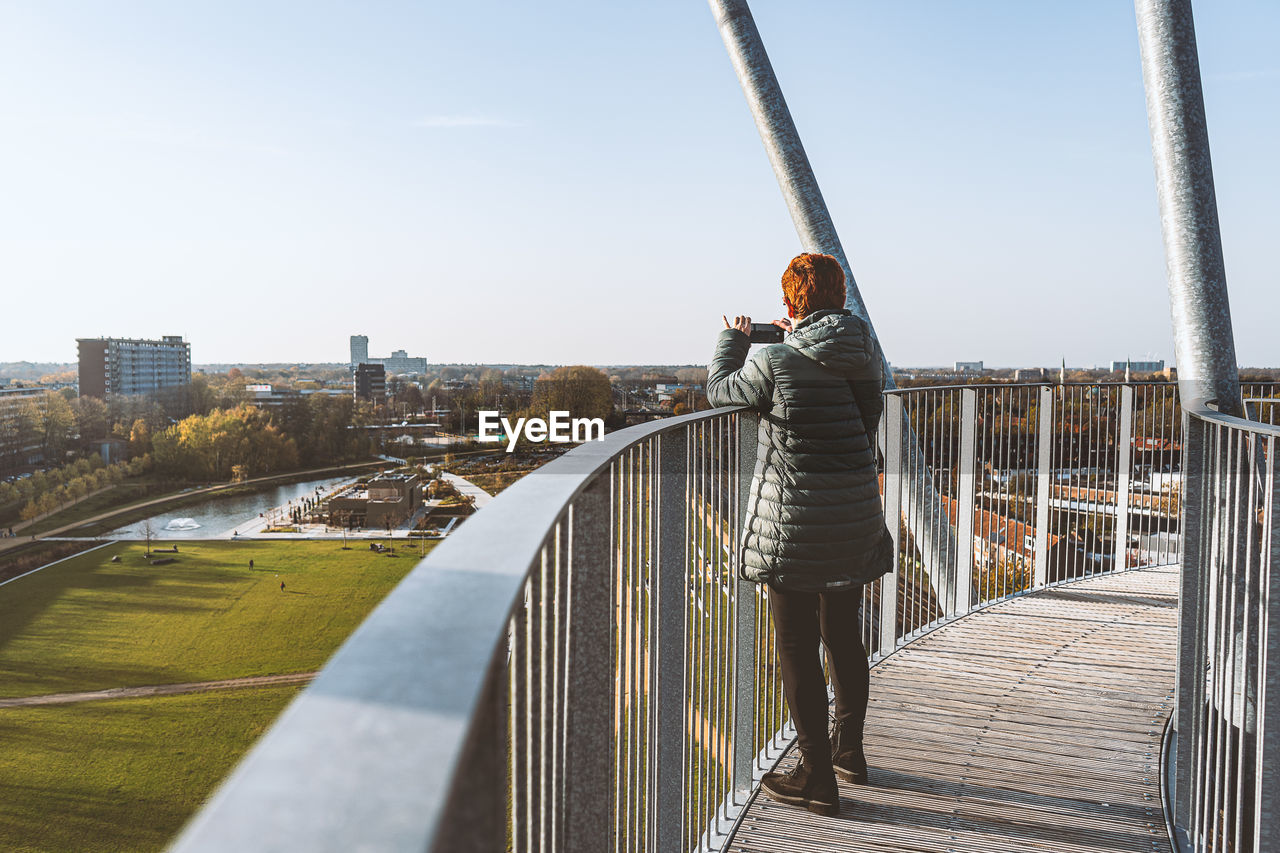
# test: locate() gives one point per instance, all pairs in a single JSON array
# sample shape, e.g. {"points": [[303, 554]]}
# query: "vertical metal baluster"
{"points": [[1062, 519], [557, 686], [707, 709], [589, 687], [1144, 516], [1267, 780], [693, 659], [993, 451], [629, 622], [617, 625], [990, 450], [911, 402], [545, 718], [1169, 424], [531, 710], [1250, 638], [893, 517], [1245, 649], [1212, 600], [997, 456], [944, 595], [1081, 433], [519, 786], [1211, 619], [627, 619], [1044, 472], [668, 648], [652, 735], [633, 651], [1222, 636], [725, 678], [945, 605], [1230, 738], [691, 626], [707, 721], [745, 614], [1189, 718], [719, 649], [924, 612], [1123, 463], [965, 502], [917, 527]]}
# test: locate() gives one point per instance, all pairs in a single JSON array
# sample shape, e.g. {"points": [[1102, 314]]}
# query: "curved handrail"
{"points": [[405, 688], [1227, 724], [604, 586], [1222, 418]]}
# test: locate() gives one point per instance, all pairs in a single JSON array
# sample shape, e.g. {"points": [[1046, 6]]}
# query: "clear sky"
{"points": [[564, 182]]}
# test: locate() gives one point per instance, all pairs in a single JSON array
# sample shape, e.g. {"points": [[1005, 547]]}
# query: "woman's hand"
{"points": [[784, 324], [742, 324]]}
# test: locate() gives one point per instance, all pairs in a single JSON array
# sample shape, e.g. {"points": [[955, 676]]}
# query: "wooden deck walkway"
{"points": [[1033, 725]]}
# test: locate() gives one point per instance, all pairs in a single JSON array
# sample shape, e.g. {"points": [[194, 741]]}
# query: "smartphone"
{"points": [[766, 333]]}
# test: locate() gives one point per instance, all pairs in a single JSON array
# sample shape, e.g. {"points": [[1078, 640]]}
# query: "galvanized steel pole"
{"points": [[1203, 342], [782, 143]]}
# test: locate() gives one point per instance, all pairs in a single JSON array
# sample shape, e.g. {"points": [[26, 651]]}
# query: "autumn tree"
{"points": [[139, 439], [93, 421], [208, 447], [57, 425], [583, 392]]}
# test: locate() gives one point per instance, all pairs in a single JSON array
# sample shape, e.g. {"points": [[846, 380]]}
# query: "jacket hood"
{"points": [[835, 338]]}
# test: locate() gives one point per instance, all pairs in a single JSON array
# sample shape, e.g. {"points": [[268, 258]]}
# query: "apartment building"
{"points": [[128, 366]]}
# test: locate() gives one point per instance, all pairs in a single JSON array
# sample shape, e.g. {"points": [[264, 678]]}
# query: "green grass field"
{"points": [[124, 774], [89, 623]]}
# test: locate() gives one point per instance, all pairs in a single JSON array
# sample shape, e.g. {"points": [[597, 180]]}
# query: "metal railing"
{"points": [[1261, 401], [1226, 791], [579, 667], [1042, 484]]}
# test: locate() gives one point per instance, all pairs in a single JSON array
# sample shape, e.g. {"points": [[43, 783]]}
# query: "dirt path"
{"points": [[158, 690]]}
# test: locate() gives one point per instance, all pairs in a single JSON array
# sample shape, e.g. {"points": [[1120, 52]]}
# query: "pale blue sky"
{"points": [[573, 182]]}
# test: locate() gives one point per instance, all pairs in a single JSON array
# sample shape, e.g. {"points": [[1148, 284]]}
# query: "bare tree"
{"points": [[148, 531]]}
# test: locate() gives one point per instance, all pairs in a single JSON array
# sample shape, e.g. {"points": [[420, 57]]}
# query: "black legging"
{"points": [[800, 619]]}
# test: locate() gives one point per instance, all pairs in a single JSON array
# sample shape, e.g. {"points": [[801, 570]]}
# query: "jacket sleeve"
{"points": [[732, 380], [868, 392]]}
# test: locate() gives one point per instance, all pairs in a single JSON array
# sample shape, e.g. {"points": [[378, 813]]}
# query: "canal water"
{"points": [[219, 516]]}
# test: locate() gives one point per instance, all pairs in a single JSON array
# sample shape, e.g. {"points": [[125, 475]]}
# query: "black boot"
{"points": [[846, 753], [809, 785]]}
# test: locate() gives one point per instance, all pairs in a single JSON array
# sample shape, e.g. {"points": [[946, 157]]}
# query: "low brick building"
{"points": [[387, 499]]}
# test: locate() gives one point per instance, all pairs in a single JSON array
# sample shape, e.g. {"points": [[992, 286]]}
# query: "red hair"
{"points": [[813, 282]]}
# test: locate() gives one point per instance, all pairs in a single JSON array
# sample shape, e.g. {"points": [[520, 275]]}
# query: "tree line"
{"points": [[222, 438], [49, 490]]}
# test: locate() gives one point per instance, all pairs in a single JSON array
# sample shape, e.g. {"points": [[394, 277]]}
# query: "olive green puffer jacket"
{"points": [[814, 521]]}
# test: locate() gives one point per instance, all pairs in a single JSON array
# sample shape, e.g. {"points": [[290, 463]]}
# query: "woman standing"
{"points": [[815, 530]]}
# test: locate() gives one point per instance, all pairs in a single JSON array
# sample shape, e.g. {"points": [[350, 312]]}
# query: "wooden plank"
{"points": [[1033, 725]]}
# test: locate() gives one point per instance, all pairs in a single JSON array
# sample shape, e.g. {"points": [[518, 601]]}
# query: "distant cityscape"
{"points": [[406, 399]]}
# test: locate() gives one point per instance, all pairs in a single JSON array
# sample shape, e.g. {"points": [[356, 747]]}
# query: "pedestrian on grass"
{"points": [[815, 531], [251, 564], [282, 586]]}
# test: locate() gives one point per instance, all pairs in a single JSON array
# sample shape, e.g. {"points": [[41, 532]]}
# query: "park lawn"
{"points": [[122, 774], [88, 623]]}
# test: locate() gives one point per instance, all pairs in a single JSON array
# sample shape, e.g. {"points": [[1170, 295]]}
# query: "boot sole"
{"points": [[824, 809], [850, 776]]}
